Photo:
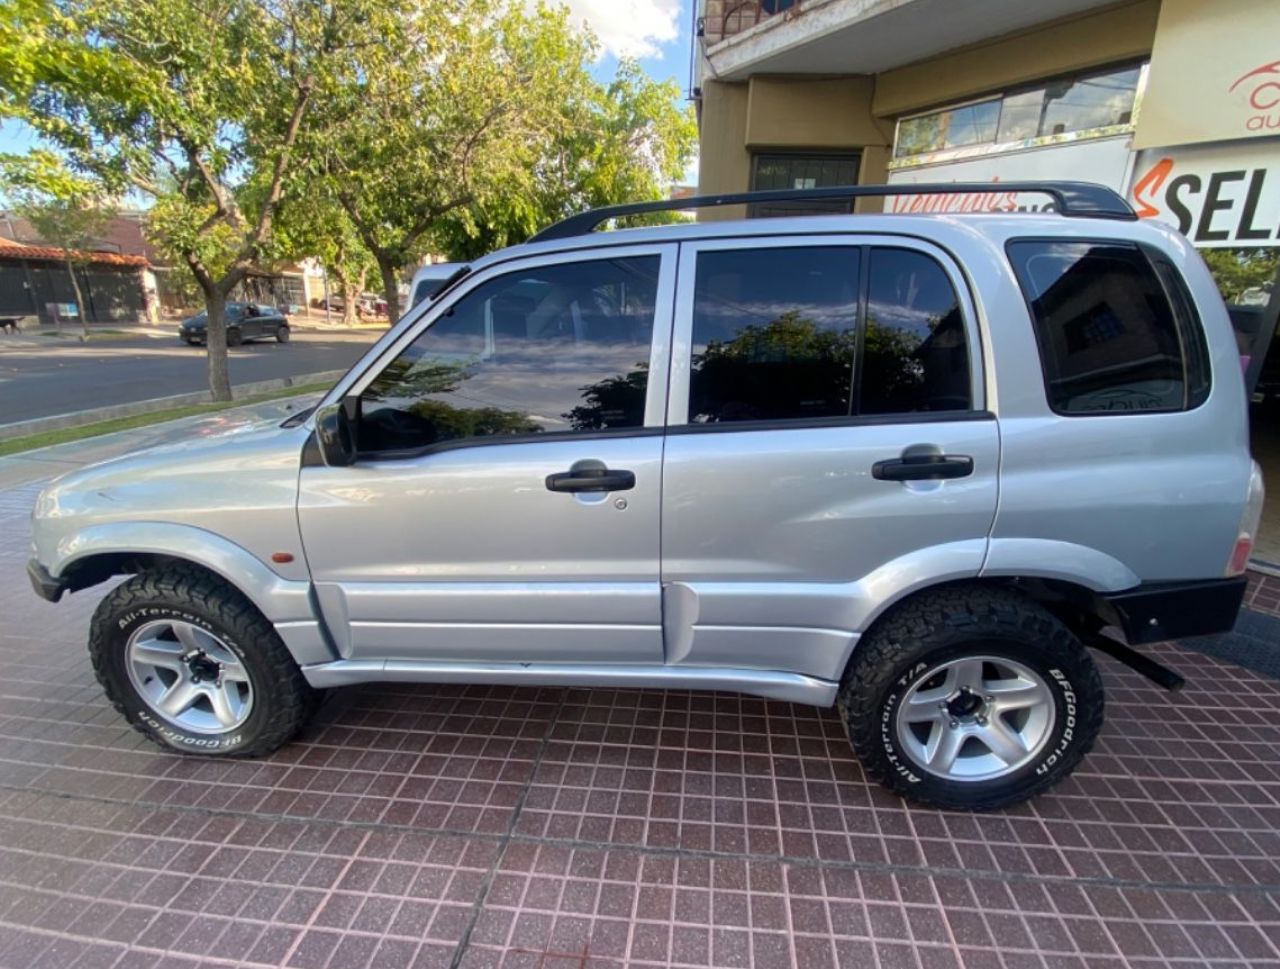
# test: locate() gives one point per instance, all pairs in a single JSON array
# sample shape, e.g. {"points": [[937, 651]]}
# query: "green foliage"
{"points": [[1237, 270], [202, 107], [67, 210], [626, 141]]}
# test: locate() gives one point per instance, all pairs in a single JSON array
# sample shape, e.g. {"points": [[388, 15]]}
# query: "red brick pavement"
{"points": [[549, 829]]}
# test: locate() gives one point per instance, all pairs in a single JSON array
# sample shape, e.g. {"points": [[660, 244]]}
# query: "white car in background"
{"points": [[429, 279]]}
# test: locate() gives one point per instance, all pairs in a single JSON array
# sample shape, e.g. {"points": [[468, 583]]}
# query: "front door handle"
{"points": [[591, 480], [923, 467]]}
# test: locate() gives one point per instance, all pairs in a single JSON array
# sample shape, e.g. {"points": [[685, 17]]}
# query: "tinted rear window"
{"points": [[1112, 337]]}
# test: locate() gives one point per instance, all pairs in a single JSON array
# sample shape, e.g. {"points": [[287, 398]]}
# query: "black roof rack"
{"points": [[1072, 199]]}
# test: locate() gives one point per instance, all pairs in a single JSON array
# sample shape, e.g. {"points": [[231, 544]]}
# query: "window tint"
{"points": [[561, 348], [776, 335], [1110, 339], [916, 356]]}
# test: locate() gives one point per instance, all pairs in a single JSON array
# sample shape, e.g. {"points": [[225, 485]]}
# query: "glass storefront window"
{"points": [[1100, 99]]}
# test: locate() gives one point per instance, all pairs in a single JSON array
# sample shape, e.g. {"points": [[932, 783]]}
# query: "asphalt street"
{"points": [[42, 382]]}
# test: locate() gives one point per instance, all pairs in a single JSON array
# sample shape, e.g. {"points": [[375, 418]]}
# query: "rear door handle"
{"points": [[591, 480], [923, 467]]}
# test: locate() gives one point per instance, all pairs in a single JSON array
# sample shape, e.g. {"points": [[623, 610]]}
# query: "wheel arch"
{"points": [[99, 552], [1081, 609]]}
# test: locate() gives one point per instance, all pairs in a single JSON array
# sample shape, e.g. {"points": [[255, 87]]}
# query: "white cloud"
{"points": [[629, 28]]}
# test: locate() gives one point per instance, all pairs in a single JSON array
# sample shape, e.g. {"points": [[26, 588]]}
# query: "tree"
{"points": [[1238, 270], [625, 141], [318, 226], [459, 117], [200, 107], [66, 211]]}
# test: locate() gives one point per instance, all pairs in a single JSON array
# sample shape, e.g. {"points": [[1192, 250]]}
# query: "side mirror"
{"points": [[335, 434]]}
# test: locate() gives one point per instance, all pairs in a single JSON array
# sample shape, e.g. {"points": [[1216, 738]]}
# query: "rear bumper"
{"points": [[1174, 610], [46, 586]]}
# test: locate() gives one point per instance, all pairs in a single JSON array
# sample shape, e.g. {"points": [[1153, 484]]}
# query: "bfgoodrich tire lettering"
{"points": [[996, 629], [282, 700]]}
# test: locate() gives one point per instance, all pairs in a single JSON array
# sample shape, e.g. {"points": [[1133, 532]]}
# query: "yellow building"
{"points": [[1173, 103]]}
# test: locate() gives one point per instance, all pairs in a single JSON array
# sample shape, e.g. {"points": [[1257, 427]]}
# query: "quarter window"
{"points": [[1111, 338], [556, 349], [780, 334]]}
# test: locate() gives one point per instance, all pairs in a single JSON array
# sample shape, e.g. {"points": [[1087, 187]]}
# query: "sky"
{"points": [[657, 32]]}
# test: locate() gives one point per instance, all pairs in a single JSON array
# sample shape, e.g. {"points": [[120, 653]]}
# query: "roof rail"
{"points": [[1072, 199]]}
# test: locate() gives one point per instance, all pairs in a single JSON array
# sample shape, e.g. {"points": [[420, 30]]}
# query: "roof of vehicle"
{"points": [[946, 229]]}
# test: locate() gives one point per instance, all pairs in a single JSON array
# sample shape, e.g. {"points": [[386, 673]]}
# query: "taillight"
{"points": [[1241, 555], [1249, 522]]}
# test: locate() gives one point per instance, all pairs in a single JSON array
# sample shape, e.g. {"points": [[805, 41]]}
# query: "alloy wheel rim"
{"points": [[189, 677], [975, 718]]}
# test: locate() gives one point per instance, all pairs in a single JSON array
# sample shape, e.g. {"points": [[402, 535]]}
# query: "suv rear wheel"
{"points": [[194, 666], [970, 698]]}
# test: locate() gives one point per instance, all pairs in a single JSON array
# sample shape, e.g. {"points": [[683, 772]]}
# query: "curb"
{"points": [[59, 422]]}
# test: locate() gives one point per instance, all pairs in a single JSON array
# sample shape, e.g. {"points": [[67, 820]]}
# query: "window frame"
{"points": [[681, 352], [1184, 329], [421, 317]]}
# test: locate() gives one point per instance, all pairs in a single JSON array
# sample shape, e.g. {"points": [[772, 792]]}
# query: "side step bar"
{"points": [[774, 685]]}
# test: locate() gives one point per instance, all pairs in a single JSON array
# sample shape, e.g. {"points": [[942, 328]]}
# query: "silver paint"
{"points": [[778, 549]]}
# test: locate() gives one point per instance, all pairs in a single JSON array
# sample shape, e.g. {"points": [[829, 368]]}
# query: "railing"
{"points": [[724, 18]]}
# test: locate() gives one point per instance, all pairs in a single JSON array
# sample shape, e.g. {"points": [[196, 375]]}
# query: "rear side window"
{"points": [[1115, 335], [821, 332]]}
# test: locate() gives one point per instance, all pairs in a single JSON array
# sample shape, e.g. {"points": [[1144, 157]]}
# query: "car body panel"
{"points": [[460, 543], [750, 559]]}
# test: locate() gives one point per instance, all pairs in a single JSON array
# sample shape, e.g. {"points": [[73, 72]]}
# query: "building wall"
{"points": [[858, 112], [724, 163], [1106, 37]]}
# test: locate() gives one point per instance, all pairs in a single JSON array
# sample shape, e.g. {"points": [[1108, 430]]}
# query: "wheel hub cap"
{"points": [[977, 718], [189, 677]]}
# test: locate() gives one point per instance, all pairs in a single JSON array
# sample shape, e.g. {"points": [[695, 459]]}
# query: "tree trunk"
{"points": [[347, 287], [215, 305], [80, 307], [390, 272]]}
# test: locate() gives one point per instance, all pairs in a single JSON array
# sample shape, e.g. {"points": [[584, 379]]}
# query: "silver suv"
{"points": [[911, 466]]}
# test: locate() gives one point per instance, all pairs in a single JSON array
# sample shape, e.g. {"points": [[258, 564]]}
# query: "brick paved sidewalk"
{"points": [[487, 827]]}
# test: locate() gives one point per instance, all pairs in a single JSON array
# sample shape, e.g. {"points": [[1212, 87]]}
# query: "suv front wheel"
{"points": [[970, 698], [194, 666]]}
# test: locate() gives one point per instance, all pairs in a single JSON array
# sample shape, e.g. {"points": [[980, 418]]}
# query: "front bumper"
{"points": [[46, 586], [1158, 611]]}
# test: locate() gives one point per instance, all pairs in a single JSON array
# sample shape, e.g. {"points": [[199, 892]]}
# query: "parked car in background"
{"points": [[912, 467], [428, 279], [373, 304], [245, 321]]}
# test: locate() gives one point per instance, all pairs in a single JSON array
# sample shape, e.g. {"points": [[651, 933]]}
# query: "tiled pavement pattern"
{"points": [[550, 829]]}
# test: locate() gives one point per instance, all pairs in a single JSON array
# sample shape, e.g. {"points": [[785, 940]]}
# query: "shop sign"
{"points": [[1223, 196], [1103, 160]]}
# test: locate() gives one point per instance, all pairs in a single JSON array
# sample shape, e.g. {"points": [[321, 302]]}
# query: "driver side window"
{"points": [[551, 349]]}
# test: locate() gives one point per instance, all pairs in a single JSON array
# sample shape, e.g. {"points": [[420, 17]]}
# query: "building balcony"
{"points": [[746, 37]]}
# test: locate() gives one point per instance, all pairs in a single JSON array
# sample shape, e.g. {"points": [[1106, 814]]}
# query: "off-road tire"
{"points": [[283, 701], [934, 627]]}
